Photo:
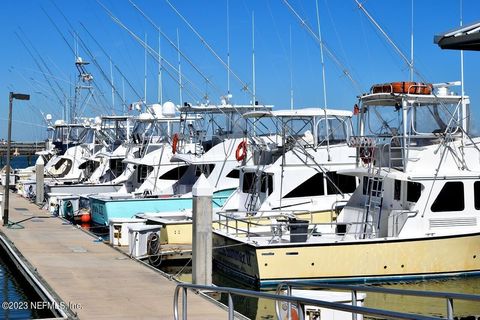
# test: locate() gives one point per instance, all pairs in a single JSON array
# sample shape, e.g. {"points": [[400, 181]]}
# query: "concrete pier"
{"points": [[97, 280]]}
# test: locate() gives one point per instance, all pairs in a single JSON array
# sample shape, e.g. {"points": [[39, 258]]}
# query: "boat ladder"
{"points": [[374, 199]]}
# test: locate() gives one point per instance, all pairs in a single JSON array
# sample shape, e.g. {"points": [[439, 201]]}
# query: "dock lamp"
{"points": [[18, 96]]}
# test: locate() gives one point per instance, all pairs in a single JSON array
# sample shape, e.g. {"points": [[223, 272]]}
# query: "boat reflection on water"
{"points": [[430, 306], [265, 309]]}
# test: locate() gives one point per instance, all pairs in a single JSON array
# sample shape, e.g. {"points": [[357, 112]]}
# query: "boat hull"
{"points": [[103, 209], [360, 261]]}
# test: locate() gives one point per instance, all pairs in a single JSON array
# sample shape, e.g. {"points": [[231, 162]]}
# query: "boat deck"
{"points": [[81, 270]]}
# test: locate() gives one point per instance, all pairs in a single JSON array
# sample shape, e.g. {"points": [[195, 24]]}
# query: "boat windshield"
{"points": [[69, 134], [422, 119], [337, 129], [160, 130], [115, 129]]}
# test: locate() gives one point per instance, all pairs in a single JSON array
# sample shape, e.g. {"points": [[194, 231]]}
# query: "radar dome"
{"points": [[98, 120], [168, 109], [48, 117], [59, 122]]}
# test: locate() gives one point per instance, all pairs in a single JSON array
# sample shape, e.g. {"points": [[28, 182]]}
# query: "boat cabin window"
{"points": [[249, 183], [372, 185], [309, 188], [300, 128], [174, 174], [397, 189], [61, 168], [266, 185], [436, 118], [414, 190], [337, 130], [206, 169], [476, 191], [450, 198], [142, 172], [346, 184], [117, 167], [235, 174]]}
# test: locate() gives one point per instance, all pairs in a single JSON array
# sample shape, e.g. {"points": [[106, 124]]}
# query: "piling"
{"points": [[39, 183], [202, 232]]}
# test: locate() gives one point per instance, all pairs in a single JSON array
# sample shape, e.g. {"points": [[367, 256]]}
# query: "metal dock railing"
{"points": [[301, 302]]}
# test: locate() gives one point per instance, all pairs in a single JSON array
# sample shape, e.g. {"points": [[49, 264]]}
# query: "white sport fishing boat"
{"points": [[415, 214], [209, 149], [299, 172]]}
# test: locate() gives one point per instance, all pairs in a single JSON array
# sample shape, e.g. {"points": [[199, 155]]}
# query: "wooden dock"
{"points": [[85, 272]]}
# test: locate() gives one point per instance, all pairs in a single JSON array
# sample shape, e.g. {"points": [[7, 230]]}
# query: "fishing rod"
{"points": [[87, 50], [152, 52], [324, 46], [389, 40], [212, 51], [176, 47], [37, 63], [114, 65], [74, 35]]}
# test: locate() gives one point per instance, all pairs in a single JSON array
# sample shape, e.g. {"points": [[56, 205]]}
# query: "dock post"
{"points": [[39, 182], [202, 232]]}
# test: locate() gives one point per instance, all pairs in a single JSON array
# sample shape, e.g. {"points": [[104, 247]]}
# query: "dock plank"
{"points": [[103, 281]]}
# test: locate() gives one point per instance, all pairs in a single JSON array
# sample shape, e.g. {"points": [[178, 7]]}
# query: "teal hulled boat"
{"points": [[103, 208]]}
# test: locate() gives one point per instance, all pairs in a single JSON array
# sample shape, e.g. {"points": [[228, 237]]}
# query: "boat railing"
{"points": [[252, 219], [300, 302], [275, 224], [398, 219], [355, 289], [390, 151]]}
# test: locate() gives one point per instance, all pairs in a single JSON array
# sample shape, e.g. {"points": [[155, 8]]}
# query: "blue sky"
{"points": [[345, 30]]}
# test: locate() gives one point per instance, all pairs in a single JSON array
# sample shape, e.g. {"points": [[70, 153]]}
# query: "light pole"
{"points": [[6, 198]]}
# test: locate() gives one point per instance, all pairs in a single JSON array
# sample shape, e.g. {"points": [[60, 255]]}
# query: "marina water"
{"points": [[19, 162], [265, 309]]}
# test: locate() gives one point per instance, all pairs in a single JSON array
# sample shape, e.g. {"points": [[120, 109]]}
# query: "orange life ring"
{"points": [[241, 152], [366, 154], [174, 143]]}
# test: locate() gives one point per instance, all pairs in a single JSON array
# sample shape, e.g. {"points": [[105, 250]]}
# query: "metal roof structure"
{"points": [[463, 38]]}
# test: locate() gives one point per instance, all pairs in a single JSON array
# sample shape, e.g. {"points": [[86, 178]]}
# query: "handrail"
{"points": [[449, 296], [226, 225], [300, 301]]}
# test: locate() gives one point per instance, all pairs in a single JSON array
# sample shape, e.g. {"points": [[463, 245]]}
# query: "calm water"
{"points": [[265, 309], [19, 162], [11, 291]]}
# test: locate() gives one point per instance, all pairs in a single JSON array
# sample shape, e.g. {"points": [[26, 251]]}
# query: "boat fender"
{"points": [[174, 143], [241, 152]]}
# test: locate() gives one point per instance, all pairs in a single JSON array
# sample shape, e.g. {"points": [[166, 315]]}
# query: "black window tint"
{"points": [[235, 173], [397, 190], [174, 174], [450, 198], [346, 184], [117, 166], [414, 189], [476, 191], [248, 180], [143, 172], [267, 182], [311, 187], [205, 169]]}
